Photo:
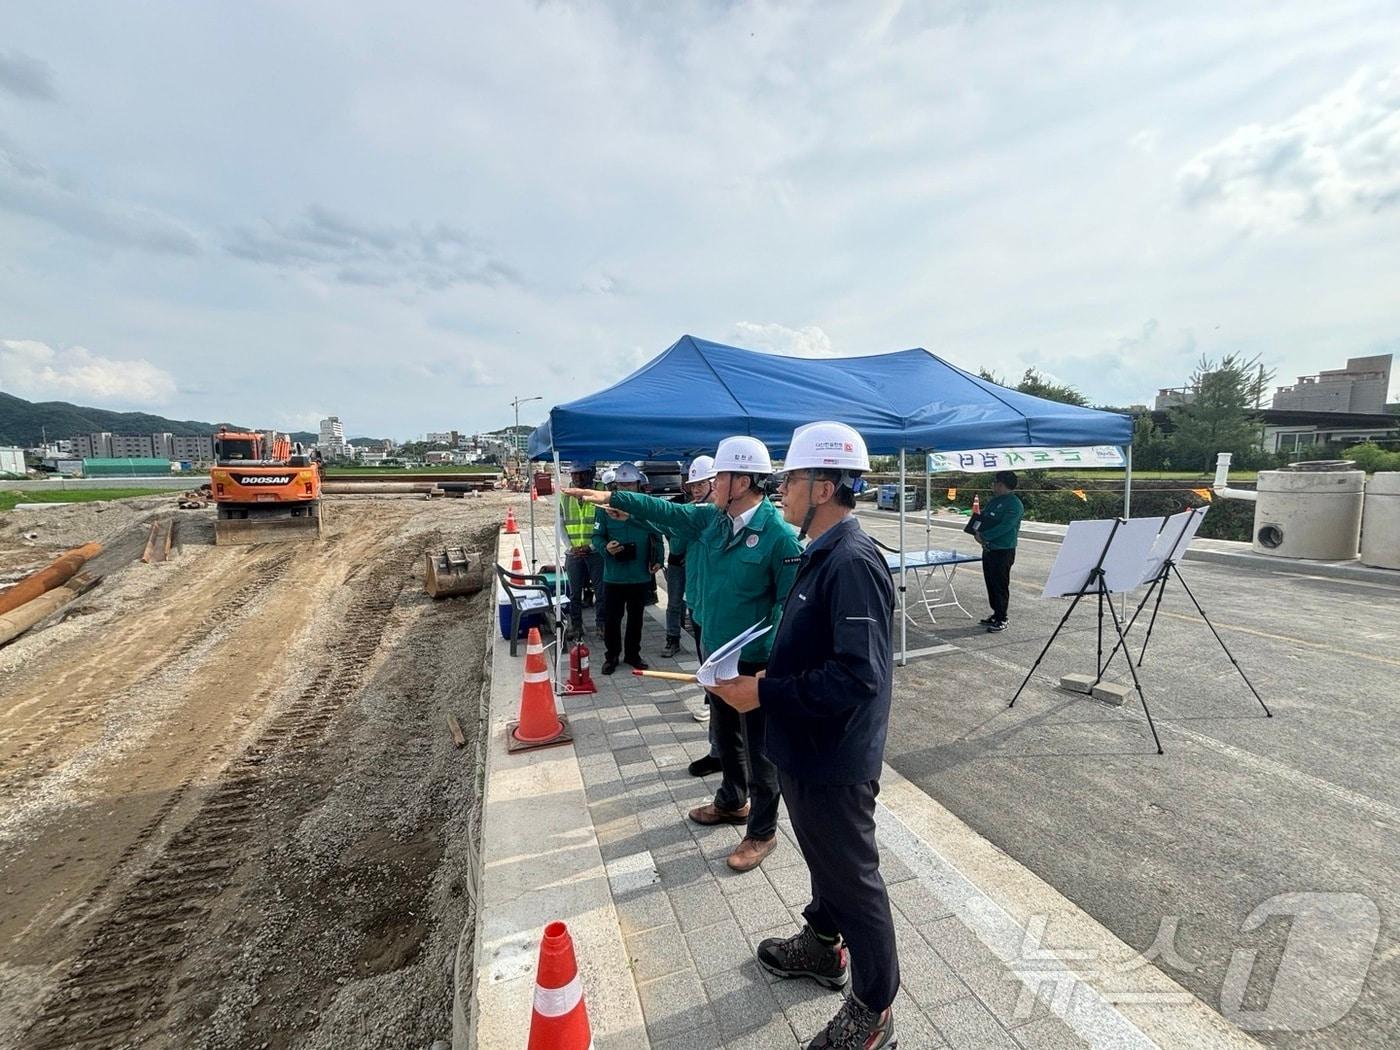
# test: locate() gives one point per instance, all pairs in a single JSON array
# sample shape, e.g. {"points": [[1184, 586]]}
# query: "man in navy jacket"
{"points": [[826, 695]]}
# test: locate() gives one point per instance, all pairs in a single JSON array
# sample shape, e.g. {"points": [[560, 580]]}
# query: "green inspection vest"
{"points": [[577, 517], [742, 578], [650, 550]]}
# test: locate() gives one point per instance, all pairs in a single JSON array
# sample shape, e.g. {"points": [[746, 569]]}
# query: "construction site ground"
{"points": [[231, 811]]}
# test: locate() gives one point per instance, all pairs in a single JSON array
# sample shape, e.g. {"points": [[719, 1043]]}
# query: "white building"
{"points": [[332, 438]]}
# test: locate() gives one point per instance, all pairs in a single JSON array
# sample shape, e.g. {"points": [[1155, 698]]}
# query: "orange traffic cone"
{"points": [[516, 565], [560, 1018], [976, 505], [539, 724], [511, 530]]}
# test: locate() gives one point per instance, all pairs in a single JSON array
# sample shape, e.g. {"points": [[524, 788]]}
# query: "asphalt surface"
{"points": [[1239, 811]]}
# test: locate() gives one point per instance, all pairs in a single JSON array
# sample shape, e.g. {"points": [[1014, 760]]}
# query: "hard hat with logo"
{"points": [[827, 446], [702, 468], [742, 455], [629, 472]]}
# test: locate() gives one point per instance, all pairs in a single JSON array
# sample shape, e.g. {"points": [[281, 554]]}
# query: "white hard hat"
{"points": [[742, 455], [609, 476], [702, 468], [827, 446], [629, 472]]}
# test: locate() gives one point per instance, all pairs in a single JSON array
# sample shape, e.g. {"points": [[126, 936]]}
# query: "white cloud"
{"points": [[1333, 159], [37, 372], [810, 341]]}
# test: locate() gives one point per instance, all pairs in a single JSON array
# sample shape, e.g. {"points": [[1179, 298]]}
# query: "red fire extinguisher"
{"points": [[579, 679]]}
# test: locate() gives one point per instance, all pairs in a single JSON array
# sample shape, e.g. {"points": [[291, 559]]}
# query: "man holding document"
{"points": [[750, 557], [827, 694]]}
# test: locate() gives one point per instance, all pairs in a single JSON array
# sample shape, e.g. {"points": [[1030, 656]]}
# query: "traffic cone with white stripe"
{"points": [[560, 1018], [516, 565], [511, 529], [539, 724]]}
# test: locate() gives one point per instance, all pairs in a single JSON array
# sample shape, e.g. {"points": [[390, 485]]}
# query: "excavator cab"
{"points": [[262, 494]]}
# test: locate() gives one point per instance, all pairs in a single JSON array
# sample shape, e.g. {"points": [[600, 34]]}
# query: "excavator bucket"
{"points": [[274, 524], [453, 571]]}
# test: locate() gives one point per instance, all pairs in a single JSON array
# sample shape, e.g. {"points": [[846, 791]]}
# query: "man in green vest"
{"points": [[1000, 526], [583, 562], [750, 557]]}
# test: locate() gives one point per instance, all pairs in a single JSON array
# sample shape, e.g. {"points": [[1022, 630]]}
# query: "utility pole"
{"points": [[517, 401]]}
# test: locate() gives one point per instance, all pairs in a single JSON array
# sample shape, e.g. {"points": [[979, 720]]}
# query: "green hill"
{"points": [[25, 422]]}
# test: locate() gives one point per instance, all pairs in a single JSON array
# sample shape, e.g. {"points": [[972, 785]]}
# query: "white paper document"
{"points": [[724, 662]]}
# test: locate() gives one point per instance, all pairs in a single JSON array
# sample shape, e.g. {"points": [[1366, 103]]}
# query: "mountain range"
{"points": [[26, 423]]}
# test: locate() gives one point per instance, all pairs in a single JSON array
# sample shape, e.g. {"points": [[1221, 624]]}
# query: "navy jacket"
{"points": [[826, 694]]}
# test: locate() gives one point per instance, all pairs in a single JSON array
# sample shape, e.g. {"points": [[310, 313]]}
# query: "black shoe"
{"points": [[703, 767], [856, 1028], [673, 646], [806, 955], [609, 666], [638, 663], [987, 622], [997, 626]]}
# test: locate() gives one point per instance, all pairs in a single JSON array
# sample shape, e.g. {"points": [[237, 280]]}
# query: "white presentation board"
{"points": [[1084, 543], [1178, 530]]}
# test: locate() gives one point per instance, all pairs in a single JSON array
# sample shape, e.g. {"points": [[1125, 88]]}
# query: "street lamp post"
{"points": [[516, 402]]}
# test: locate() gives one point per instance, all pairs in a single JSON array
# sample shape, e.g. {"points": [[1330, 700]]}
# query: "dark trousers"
{"points": [[747, 771], [628, 598], [581, 570], [835, 828], [996, 571]]}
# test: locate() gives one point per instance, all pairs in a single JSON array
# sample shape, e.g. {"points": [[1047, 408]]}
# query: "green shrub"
{"points": [[1370, 457]]}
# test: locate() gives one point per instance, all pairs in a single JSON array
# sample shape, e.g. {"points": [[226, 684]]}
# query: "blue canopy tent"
{"points": [[684, 401]]}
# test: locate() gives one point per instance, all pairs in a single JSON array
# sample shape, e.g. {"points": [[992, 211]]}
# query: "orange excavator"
{"points": [[263, 491]]}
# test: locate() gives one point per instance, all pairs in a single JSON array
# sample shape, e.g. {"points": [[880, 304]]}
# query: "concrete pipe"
{"points": [[1380, 521], [1309, 513], [55, 574]]}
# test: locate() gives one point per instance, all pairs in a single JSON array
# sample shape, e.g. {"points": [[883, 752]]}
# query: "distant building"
{"points": [[193, 448], [443, 437], [1173, 397], [1361, 387], [437, 457], [12, 461], [332, 438], [94, 446]]}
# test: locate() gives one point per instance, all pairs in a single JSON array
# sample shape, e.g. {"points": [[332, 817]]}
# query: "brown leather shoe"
{"points": [[749, 854], [711, 814]]}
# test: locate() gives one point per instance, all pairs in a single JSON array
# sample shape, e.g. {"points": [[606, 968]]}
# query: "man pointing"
{"points": [[826, 692]]}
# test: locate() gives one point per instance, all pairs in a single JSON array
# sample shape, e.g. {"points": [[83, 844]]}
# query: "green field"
{"points": [[10, 498]]}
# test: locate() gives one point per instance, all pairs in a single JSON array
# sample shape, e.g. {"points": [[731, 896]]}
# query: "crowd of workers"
{"points": [[806, 717]]}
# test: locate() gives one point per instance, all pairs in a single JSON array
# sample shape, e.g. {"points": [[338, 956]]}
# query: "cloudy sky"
{"points": [[408, 214]]}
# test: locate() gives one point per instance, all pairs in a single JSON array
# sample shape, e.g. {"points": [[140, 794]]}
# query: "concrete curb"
{"points": [[540, 862], [1221, 552]]}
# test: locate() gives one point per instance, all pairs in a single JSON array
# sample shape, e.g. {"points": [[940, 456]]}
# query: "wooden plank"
{"points": [[458, 737]]}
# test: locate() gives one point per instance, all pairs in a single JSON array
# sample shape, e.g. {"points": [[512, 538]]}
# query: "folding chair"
{"points": [[530, 593]]}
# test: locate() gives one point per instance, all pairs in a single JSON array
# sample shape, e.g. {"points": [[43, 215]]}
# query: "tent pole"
{"points": [[903, 597], [1128, 482], [558, 564], [928, 504]]}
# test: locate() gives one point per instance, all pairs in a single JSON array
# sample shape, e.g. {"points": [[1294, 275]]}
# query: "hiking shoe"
{"points": [[673, 646], [997, 626], [709, 814], [806, 955], [703, 767], [702, 714], [856, 1028]]}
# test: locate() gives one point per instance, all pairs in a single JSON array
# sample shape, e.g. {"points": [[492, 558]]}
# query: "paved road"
{"points": [[1240, 809]]}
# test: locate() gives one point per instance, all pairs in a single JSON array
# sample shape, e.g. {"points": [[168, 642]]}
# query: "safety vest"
{"points": [[578, 519]]}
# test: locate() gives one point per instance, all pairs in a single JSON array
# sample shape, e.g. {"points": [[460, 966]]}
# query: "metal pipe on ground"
{"points": [[15, 622], [376, 488], [58, 572]]}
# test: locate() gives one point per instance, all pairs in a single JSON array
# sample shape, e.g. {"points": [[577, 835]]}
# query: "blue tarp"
{"points": [[683, 402]]}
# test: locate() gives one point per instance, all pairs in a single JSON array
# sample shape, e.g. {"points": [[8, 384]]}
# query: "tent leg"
{"points": [[903, 594], [1127, 500], [928, 504], [558, 568]]}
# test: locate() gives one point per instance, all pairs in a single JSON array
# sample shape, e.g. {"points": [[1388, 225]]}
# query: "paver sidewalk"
{"points": [[691, 924]]}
